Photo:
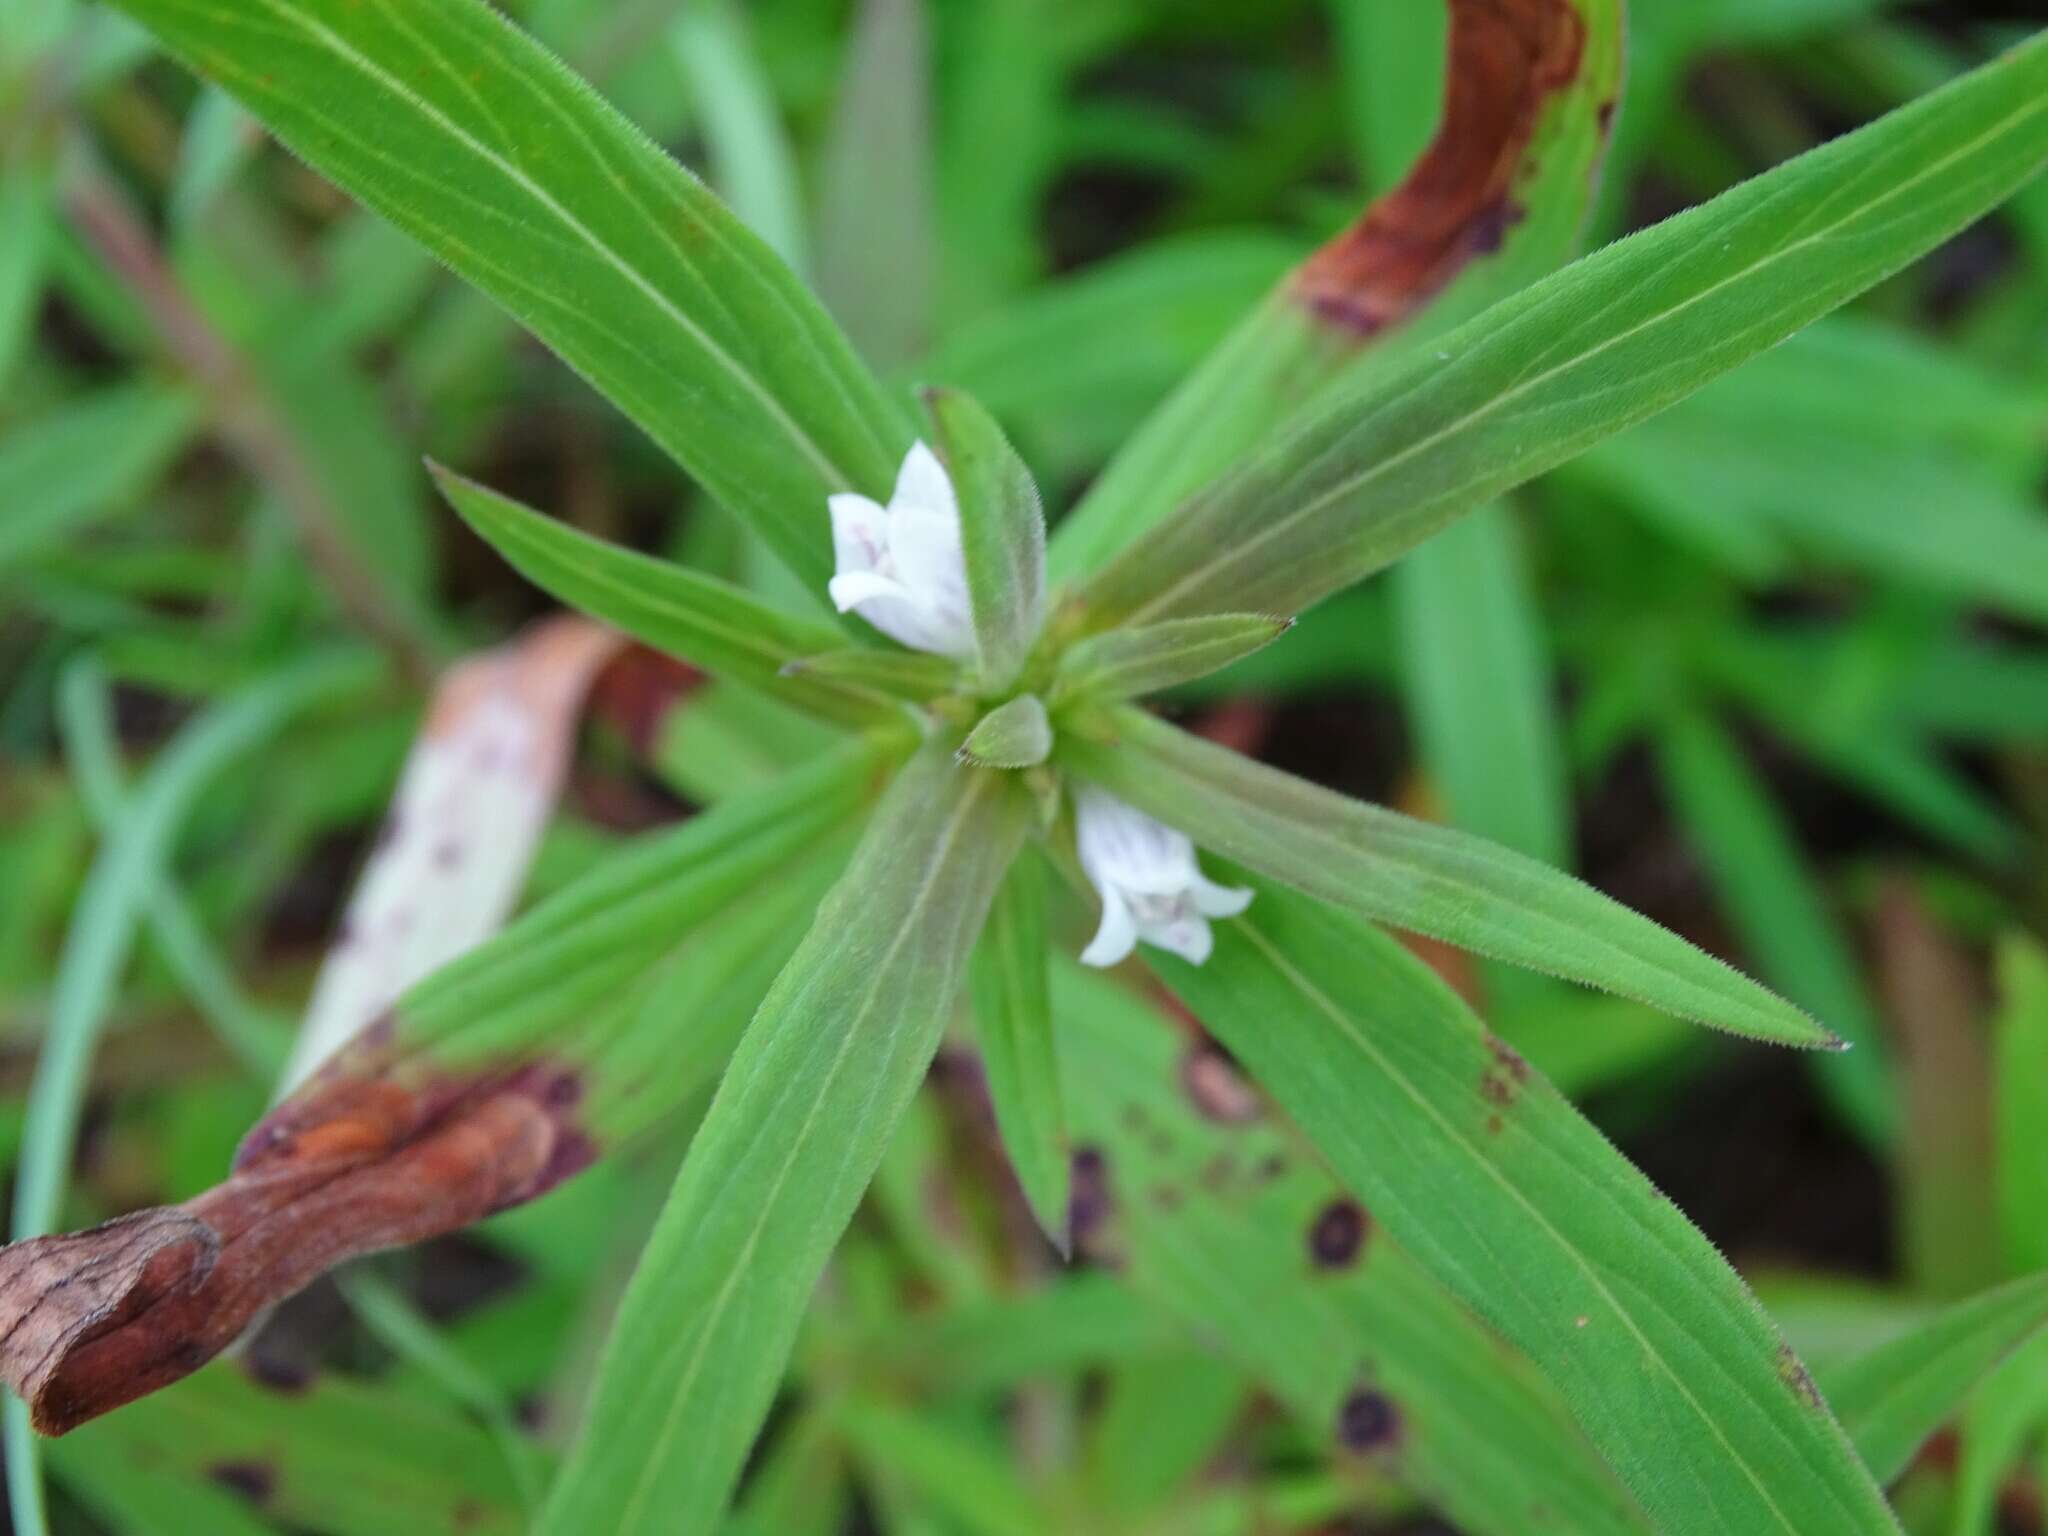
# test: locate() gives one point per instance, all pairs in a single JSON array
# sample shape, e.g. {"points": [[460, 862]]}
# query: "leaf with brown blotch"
{"points": [[95, 1319], [1499, 199], [1508, 58]]}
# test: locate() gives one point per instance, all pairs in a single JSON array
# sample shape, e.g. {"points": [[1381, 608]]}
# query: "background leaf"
{"points": [[609, 251]]}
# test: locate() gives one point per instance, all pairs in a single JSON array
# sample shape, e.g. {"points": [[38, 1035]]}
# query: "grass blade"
{"points": [[1894, 1397]]}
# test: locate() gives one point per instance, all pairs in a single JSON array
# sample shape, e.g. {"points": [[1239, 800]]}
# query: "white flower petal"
{"points": [[924, 483], [1116, 938], [860, 533], [1213, 900], [849, 589], [1188, 937]]}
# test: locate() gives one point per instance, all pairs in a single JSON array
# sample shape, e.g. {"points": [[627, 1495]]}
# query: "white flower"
{"points": [[1151, 887], [900, 567]]}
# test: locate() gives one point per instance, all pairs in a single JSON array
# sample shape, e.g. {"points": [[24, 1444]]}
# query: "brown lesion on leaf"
{"points": [[1089, 1202], [357, 1161], [1502, 1080], [1337, 1236], [1507, 59], [1368, 1421], [255, 1481], [1793, 1372]]}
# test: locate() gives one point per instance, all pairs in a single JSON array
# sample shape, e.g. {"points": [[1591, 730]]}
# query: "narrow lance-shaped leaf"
{"points": [[469, 136], [1894, 1397], [801, 1121], [711, 623], [1014, 1025], [1607, 342], [1129, 663], [1482, 1171], [1418, 876], [1498, 200], [1202, 1196], [1002, 533]]}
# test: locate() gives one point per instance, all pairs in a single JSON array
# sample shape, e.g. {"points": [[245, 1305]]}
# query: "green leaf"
{"points": [[219, 141], [711, 623], [1892, 1398], [1014, 1024], [1393, 58], [799, 1125], [1128, 663], [916, 676], [2019, 1042], [1475, 1165], [24, 234], [1002, 533], [1600, 346], [1073, 365], [967, 1477], [342, 1457], [86, 459], [752, 163], [480, 145], [1220, 1222], [2005, 1412], [1524, 136], [877, 252], [1013, 735], [1779, 912], [1425, 878], [1164, 1419], [1477, 678]]}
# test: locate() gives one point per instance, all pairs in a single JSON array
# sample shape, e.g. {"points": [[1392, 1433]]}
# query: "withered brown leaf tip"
{"points": [[1507, 59], [95, 1319]]}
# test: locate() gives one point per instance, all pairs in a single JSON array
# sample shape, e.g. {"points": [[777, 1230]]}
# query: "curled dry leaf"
{"points": [[376, 1148], [95, 1319], [1507, 59], [475, 795]]}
